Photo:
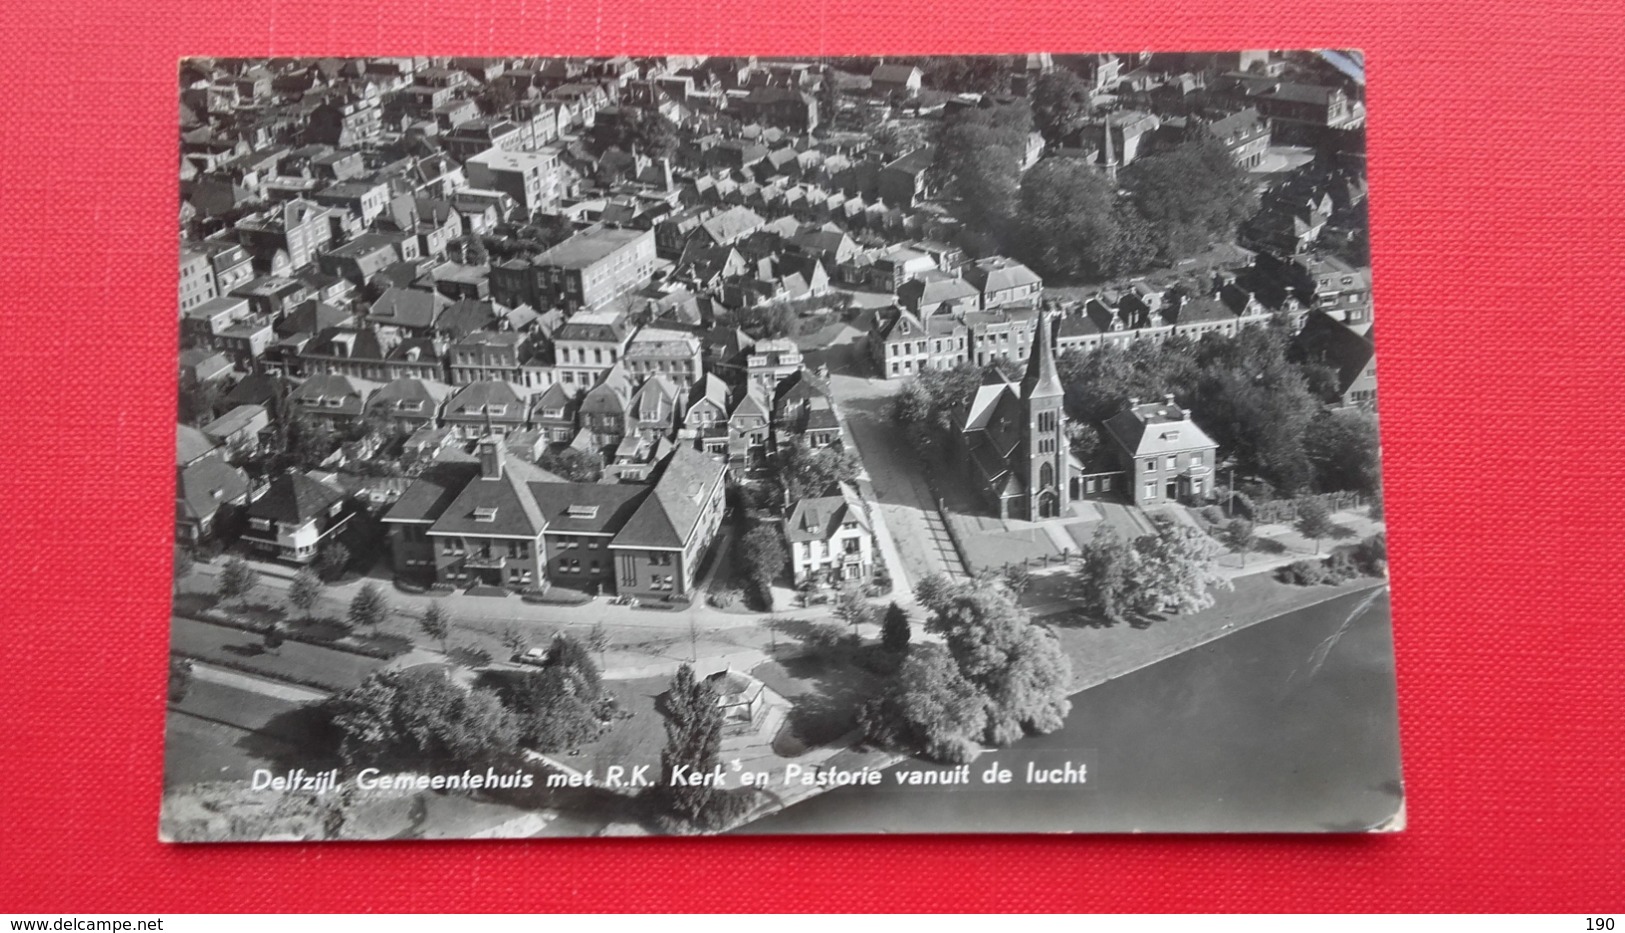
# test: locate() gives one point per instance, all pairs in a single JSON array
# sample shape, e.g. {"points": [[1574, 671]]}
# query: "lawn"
{"points": [[1100, 652], [825, 692], [630, 742]]}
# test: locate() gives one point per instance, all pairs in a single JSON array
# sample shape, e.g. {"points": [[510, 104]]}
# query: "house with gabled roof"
{"points": [[1165, 457], [705, 420], [654, 408], [804, 411], [409, 403], [295, 517], [1003, 283], [209, 494], [831, 539], [1350, 354], [727, 227], [553, 412], [330, 397], [407, 312], [606, 408], [660, 548], [750, 426], [488, 406]]}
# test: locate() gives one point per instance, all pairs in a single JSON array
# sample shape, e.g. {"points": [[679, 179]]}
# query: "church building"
{"points": [[1014, 439]]}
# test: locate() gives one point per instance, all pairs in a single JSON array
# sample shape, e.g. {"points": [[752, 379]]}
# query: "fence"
{"points": [[1285, 511]]}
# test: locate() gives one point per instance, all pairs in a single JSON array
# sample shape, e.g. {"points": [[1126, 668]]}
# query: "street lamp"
{"points": [[1229, 463]]}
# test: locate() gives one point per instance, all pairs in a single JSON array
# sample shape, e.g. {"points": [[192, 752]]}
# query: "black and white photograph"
{"points": [[683, 445]]}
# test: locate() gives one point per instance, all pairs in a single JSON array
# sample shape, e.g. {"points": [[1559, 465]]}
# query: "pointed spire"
{"points": [[1110, 158], [1042, 378]]}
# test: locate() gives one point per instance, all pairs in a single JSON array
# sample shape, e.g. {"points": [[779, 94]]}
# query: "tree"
{"points": [[978, 161], [1173, 569], [420, 714], [199, 401], [1016, 578], [693, 742], [932, 592], [1239, 537], [1345, 451], [805, 473], [648, 132], [598, 640], [1104, 575], [332, 560], [515, 641], [1084, 441], [273, 637], [1314, 520], [180, 678], [572, 465], [368, 608], [1191, 196], [894, 629], [563, 704], [929, 708], [1069, 226], [305, 591], [852, 607], [237, 579], [1061, 100], [1017, 667], [762, 556], [182, 566], [436, 622]]}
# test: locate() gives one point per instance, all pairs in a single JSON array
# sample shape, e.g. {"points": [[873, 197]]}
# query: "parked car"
{"points": [[534, 656]]}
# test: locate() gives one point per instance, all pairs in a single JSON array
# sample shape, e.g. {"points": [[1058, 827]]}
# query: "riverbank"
{"points": [[1103, 654], [1288, 725]]}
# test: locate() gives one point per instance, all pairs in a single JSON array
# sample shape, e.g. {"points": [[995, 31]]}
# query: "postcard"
{"points": [[691, 445]]}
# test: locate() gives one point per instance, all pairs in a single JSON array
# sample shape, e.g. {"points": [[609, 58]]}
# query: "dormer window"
{"points": [[334, 402], [485, 514], [496, 409], [584, 512]]}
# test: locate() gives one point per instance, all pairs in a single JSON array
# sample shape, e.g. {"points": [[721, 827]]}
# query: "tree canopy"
{"points": [[563, 704], [927, 707], [420, 714], [368, 607], [978, 159], [693, 741], [1016, 666], [1192, 196], [806, 473], [1061, 101], [572, 465]]}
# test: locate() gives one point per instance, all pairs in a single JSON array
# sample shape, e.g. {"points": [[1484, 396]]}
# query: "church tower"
{"points": [[1043, 442]]}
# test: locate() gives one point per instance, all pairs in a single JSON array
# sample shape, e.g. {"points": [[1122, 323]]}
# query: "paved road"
{"points": [[900, 493]]}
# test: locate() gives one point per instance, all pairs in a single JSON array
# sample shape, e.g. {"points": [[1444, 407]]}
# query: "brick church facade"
{"points": [[1013, 438]]}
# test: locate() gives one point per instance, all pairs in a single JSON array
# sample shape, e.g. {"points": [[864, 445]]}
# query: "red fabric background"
{"points": [[1496, 141]]}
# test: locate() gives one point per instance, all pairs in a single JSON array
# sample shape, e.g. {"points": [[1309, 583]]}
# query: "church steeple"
{"points": [[1109, 160], [1042, 379]]}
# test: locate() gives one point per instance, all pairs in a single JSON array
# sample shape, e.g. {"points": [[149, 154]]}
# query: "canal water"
{"points": [[1289, 725]]}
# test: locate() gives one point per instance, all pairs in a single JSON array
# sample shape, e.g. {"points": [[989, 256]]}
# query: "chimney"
{"points": [[1133, 401], [490, 456], [665, 171], [1168, 399]]}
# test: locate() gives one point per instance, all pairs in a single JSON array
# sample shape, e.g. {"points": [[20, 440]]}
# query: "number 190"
{"points": [[1600, 923]]}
